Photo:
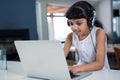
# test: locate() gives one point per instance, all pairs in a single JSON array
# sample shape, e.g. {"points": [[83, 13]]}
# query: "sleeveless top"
{"points": [[87, 48]]}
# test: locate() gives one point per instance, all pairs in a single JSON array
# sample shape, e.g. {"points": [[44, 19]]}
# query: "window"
{"points": [[58, 28]]}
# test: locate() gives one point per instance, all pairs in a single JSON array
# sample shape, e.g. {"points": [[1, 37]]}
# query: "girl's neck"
{"points": [[83, 36]]}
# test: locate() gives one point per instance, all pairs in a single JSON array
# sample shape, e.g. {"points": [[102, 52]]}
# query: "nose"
{"points": [[75, 26]]}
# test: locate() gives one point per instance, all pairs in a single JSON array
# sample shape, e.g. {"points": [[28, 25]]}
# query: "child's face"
{"points": [[79, 26]]}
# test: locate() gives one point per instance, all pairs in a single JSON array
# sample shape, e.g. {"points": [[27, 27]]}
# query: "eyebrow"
{"points": [[79, 20], [76, 20]]}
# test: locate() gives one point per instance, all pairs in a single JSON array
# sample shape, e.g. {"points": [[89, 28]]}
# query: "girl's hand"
{"points": [[73, 69]]}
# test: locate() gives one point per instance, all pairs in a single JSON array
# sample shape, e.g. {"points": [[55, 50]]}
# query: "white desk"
{"points": [[15, 72]]}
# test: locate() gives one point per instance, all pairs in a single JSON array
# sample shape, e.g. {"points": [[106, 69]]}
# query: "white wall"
{"points": [[42, 25], [104, 14]]}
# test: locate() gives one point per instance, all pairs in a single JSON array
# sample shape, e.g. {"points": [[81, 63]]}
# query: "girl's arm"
{"points": [[68, 43]]}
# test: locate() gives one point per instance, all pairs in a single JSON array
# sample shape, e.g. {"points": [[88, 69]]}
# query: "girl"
{"points": [[88, 37]]}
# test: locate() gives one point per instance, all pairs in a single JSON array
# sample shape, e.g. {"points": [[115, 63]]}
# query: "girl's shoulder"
{"points": [[100, 34], [98, 30], [69, 37]]}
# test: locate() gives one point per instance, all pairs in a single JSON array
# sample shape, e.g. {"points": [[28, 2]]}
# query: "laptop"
{"points": [[44, 59]]}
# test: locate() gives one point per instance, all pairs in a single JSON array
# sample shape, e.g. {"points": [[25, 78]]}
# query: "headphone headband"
{"points": [[94, 16]]}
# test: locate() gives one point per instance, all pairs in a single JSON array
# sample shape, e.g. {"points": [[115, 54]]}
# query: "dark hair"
{"points": [[83, 9]]}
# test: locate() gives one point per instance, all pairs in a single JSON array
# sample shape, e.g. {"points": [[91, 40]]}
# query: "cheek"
{"points": [[84, 27], [81, 28]]}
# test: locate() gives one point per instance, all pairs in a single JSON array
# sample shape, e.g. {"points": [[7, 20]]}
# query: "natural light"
{"points": [[61, 29]]}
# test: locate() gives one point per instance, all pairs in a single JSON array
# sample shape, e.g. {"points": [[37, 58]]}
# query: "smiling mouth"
{"points": [[77, 32]]}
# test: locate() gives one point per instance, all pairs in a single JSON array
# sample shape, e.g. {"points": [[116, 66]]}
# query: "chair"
{"points": [[117, 56]]}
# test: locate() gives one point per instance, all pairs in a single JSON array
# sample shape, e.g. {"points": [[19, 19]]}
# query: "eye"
{"points": [[70, 23], [78, 23]]}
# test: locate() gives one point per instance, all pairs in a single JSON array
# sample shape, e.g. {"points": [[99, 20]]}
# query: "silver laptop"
{"points": [[44, 59]]}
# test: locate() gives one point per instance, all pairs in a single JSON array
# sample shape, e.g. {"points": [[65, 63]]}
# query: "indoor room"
{"points": [[45, 20]]}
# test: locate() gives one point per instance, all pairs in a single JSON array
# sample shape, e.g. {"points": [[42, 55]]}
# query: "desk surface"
{"points": [[15, 72]]}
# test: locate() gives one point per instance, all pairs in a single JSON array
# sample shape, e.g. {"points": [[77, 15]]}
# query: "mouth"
{"points": [[77, 32]]}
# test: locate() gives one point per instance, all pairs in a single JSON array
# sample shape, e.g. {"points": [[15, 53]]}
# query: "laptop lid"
{"points": [[43, 59]]}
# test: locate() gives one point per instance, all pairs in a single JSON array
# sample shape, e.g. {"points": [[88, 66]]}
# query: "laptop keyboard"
{"points": [[73, 75]]}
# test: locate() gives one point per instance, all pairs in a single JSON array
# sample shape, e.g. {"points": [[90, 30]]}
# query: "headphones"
{"points": [[68, 23]]}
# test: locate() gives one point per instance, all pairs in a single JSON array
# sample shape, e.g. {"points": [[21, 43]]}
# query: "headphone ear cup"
{"points": [[68, 23], [90, 22]]}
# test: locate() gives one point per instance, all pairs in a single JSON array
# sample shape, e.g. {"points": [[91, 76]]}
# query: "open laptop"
{"points": [[44, 59]]}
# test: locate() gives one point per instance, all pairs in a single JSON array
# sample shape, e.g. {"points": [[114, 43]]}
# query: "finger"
{"points": [[69, 67]]}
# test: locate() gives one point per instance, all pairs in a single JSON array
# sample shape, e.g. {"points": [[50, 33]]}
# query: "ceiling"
{"points": [[62, 7], [68, 3]]}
